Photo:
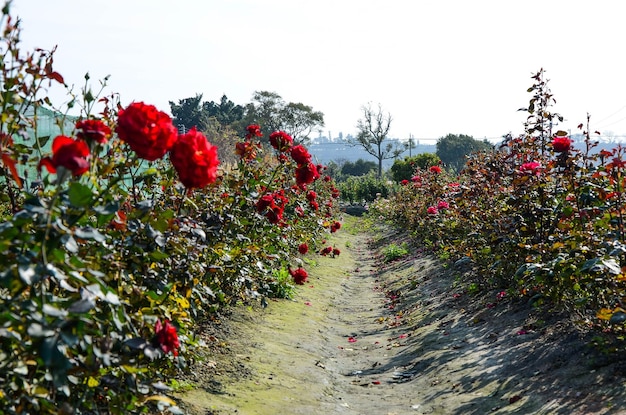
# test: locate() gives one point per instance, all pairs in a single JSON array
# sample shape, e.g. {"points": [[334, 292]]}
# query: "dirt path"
{"points": [[365, 337]]}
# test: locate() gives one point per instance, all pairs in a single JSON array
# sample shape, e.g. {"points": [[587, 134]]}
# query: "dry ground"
{"points": [[365, 337]]}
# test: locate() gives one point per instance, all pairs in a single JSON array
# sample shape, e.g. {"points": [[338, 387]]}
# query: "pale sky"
{"points": [[438, 66]]}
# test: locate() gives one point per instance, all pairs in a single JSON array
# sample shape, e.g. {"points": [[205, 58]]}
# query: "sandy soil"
{"points": [[368, 337]]}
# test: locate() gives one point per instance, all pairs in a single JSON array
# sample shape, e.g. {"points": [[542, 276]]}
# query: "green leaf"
{"points": [[80, 195]]}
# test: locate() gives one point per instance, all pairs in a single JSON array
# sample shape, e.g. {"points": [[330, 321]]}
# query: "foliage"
{"points": [[373, 129], [358, 168], [537, 217], [405, 169], [453, 149], [107, 261], [393, 251], [363, 189], [192, 112], [270, 110]]}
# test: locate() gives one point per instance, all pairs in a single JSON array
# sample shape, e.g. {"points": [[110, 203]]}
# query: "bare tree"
{"points": [[373, 129]]}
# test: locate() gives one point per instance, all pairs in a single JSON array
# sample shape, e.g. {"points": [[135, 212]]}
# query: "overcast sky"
{"points": [[438, 66]]}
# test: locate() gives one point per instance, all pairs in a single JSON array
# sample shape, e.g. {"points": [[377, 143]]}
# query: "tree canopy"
{"points": [[272, 113], [373, 129], [192, 112], [405, 169], [358, 168], [453, 149]]}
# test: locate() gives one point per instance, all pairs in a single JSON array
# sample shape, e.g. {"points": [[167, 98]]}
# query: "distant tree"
{"points": [[224, 137], [272, 113], [405, 169], [192, 112], [299, 121], [187, 113], [372, 133], [226, 112], [453, 149], [358, 168]]}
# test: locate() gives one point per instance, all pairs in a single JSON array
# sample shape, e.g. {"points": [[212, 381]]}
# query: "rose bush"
{"points": [[537, 218], [126, 238]]}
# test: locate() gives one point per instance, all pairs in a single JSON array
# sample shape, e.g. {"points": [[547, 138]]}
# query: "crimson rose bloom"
{"points": [[148, 131], [93, 130], [530, 167], [303, 248], [435, 169], [432, 210], [68, 153], [306, 173], [272, 206], [195, 159], [299, 276], [561, 144], [165, 336], [281, 141], [301, 155], [336, 251], [335, 226], [253, 130]]}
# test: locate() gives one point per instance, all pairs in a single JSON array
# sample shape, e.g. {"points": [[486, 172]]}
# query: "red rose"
{"points": [[311, 195], [299, 276], [148, 131], [336, 251], [68, 153], [435, 169], [561, 144], [300, 155], [93, 131], [166, 337], [335, 226], [531, 167], [303, 249], [306, 173], [272, 206], [194, 159], [253, 130], [281, 141]]}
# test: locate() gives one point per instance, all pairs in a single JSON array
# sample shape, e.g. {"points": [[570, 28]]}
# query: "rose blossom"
{"points": [[530, 167], [93, 131], [300, 155], [195, 159], [148, 131], [303, 248], [435, 169], [253, 130], [166, 337], [281, 141], [561, 144], [299, 276], [432, 210], [68, 153], [306, 173]]}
